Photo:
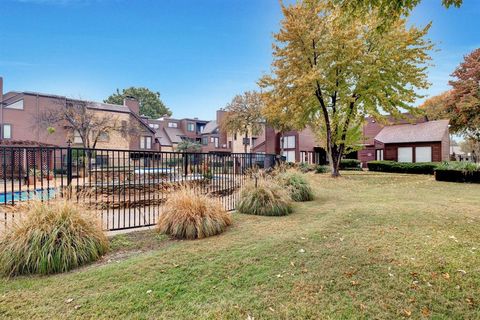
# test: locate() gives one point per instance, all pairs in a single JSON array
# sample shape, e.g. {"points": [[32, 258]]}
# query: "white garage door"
{"points": [[423, 154], [405, 154]]}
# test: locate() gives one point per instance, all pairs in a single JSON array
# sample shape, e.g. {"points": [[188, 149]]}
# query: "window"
{"points": [[204, 141], [379, 154], [200, 128], [16, 105], [154, 126], [173, 125], [235, 136], [215, 141], [76, 137], [229, 144], [104, 137], [101, 160], [7, 131], [289, 155], [191, 126], [145, 142], [289, 142], [405, 154], [254, 142], [423, 154]]}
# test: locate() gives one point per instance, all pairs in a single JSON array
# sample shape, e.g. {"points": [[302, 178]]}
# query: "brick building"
{"points": [[20, 115]]}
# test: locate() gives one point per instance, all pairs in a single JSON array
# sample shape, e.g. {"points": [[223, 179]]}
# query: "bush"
{"points": [[305, 167], [350, 164], [264, 197], [190, 215], [54, 237], [458, 172], [322, 169], [298, 186], [402, 167], [459, 165]]}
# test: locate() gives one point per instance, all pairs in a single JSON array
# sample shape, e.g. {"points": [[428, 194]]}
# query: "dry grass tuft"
{"points": [[190, 215], [52, 237], [298, 185], [265, 197]]}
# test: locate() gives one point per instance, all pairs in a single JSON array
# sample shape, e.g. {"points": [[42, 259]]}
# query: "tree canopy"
{"points": [[462, 103], [391, 9], [244, 115], [150, 103], [189, 146], [331, 69]]}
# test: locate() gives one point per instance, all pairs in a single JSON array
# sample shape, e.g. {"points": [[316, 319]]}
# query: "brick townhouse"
{"points": [[20, 113], [169, 132], [404, 140]]}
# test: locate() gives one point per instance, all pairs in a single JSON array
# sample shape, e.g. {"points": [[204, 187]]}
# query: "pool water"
{"points": [[40, 194]]}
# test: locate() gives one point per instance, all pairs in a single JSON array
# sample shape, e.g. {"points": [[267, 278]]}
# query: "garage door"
{"points": [[405, 154], [423, 154]]}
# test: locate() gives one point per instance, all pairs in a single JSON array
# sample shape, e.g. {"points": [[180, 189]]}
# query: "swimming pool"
{"points": [[40, 194], [154, 170]]}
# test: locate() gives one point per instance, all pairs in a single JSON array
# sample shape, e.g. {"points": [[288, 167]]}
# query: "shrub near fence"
{"points": [[458, 172], [402, 167]]}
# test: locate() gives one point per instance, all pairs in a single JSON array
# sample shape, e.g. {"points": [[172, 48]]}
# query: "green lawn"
{"points": [[370, 246]]}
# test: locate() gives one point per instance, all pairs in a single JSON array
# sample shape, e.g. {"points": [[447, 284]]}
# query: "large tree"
{"points": [[390, 9], [150, 103], [461, 105], [244, 116], [332, 69]]}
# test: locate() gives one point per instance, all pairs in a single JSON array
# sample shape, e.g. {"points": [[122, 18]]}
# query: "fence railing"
{"points": [[126, 188]]}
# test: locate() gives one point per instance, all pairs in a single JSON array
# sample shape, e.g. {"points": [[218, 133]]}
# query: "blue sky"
{"points": [[198, 54]]}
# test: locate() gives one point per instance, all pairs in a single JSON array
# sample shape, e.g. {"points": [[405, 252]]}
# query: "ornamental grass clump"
{"points": [[298, 186], [52, 237], [191, 215], [265, 197]]}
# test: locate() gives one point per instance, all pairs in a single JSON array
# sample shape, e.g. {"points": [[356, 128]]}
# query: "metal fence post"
{"points": [[185, 163], [69, 164]]}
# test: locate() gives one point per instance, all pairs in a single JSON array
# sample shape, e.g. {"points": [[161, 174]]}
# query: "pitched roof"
{"points": [[162, 137], [210, 127], [174, 134], [421, 132]]}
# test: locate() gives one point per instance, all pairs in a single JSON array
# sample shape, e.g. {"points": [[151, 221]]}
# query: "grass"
{"points": [[265, 197], [191, 215], [55, 237], [371, 245]]}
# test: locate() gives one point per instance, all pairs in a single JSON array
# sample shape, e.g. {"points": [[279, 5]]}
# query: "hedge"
{"points": [[458, 172], [403, 167], [350, 164], [452, 175]]}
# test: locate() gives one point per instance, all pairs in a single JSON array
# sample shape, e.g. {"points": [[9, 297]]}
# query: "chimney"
{"points": [[1, 90], [221, 115], [132, 104]]}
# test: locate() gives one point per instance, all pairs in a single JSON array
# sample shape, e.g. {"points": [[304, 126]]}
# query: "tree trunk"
{"points": [[335, 155], [245, 141]]}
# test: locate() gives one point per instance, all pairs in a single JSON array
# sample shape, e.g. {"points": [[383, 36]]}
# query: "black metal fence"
{"points": [[126, 188]]}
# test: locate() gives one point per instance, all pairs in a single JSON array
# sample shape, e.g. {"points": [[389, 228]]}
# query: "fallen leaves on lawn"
{"points": [[407, 312], [68, 300], [425, 311], [446, 276]]}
